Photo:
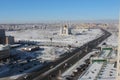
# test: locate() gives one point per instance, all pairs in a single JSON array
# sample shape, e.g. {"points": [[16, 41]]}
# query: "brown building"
{"points": [[5, 39], [9, 40]]}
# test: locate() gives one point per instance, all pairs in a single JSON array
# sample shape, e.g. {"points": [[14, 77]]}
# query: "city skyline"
{"points": [[23, 11]]}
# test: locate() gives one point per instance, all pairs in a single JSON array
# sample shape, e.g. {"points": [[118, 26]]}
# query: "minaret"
{"points": [[118, 56]]}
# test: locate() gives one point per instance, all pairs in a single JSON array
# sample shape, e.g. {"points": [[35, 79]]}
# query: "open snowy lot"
{"points": [[77, 36]]}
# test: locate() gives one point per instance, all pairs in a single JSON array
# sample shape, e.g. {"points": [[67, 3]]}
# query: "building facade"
{"points": [[2, 36], [9, 40], [4, 51]]}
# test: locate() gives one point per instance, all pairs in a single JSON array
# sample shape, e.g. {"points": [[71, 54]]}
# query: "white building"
{"points": [[64, 30]]}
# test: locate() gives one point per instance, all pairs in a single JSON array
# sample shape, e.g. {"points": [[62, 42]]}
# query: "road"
{"points": [[53, 69]]}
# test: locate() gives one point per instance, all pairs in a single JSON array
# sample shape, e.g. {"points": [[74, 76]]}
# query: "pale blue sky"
{"points": [[17, 11]]}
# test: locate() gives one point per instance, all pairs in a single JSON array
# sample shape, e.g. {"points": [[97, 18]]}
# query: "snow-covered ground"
{"points": [[48, 53], [112, 40], [76, 65], [104, 71], [52, 53], [92, 72], [108, 72], [100, 70], [22, 66], [81, 37], [77, 38]]}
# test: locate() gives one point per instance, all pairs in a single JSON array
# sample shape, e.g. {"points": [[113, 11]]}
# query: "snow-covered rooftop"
{"points": [[80, 62], [105, 53], [92, 72], [108, 72]]}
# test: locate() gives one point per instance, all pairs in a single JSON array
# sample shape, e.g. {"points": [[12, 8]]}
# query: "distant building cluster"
{"points": [[17, 27], [91, 25]]}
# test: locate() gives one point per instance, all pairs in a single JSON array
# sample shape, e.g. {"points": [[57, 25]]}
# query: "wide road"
{"points": [[53, 69]]}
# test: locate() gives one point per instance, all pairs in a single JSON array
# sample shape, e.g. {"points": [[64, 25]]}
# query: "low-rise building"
{"points": [[4, 51]]}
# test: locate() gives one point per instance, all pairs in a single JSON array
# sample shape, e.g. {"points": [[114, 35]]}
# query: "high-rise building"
{"points": [[5, 39], [2, 36], [9, 40]]}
